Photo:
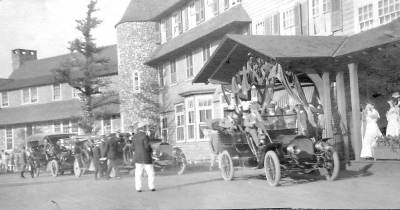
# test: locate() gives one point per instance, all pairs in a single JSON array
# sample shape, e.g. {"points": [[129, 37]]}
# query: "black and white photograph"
{"points": [[199, 104]]}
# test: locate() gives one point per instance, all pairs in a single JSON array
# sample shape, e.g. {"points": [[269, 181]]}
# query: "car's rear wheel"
{"points": [[272, 168], [77, 169], [332, 164], [54, 168], [226, 166], [180, 162]]}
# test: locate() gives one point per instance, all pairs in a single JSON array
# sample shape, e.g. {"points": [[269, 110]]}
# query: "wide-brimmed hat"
{"points": [[396, 95]]}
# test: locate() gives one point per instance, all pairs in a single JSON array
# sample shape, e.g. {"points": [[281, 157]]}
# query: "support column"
{"points": [[327, 103], [355, 110], [341, 102]]}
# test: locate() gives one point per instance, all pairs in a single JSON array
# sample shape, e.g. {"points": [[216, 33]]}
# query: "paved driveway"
{"points": [[364, 185]]}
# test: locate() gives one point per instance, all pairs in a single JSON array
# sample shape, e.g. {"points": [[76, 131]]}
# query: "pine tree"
{"points": [[82, 70]]}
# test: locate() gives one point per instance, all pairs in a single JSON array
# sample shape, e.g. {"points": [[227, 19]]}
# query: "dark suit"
{"points": [[111, 152], [142, 148], [96, 161], [143, 160]]}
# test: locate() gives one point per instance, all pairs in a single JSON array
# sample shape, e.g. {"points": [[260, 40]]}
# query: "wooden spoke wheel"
{"points": [[272, 168], [181, 162], [332, 164], [78, 171], [54, 168], [226, 166]]}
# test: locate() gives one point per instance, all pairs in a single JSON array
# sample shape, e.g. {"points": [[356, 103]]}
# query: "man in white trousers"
{"points": [[143, 160]]}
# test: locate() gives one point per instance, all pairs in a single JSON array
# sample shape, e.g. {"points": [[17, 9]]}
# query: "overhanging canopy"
{"points": [[232, 52]]}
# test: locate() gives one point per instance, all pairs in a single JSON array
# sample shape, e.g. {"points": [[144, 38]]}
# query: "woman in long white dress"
{"points": [[371, 131], [393, 118]]}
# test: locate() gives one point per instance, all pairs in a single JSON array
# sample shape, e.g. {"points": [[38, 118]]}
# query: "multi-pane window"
{"points": [[56, 92], [9, 138], [260, 28], [365, 17], [34, 94], [189, 65], [178, 25], [180, 122], [29, 95], [288, 19], [206, 53], [106, 126], [136, 82], [74, 127], [200, 11], [4, 99], [204, 105], [191, 119], [388, 10], [173, 72], [57, 127], [65, 126], [75, 93], [164, 128]]}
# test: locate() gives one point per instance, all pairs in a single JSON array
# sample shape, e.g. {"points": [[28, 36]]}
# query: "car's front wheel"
{"points": [[54, 168], [272, 168], [332, 164]]}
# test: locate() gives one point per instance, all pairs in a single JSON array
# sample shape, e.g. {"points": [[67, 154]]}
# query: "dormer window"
{"points": [[4, 99], [178, 26], [29, 95], [200, 11]]}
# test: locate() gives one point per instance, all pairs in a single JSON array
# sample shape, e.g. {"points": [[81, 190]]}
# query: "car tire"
{"points": [[333, 156], [226, 165], [54, 168], [272, 168]]}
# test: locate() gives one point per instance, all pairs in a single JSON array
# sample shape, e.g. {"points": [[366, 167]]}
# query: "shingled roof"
{"points": [[41, 71], [148, 10], [209, 30], [52, 111], [232, 52]]}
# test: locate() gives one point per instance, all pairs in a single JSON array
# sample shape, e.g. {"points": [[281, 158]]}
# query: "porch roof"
{"points": [[232, 52]]}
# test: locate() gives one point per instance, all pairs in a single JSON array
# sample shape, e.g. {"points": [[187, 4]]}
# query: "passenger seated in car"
{"points": [[253, 121], [229, 122]]}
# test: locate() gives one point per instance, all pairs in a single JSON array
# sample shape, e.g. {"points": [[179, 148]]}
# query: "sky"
{"points": [[48, 25]]}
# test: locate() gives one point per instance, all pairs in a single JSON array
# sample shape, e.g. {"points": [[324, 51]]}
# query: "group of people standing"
{"points": [[369, 127], [107, 152]]}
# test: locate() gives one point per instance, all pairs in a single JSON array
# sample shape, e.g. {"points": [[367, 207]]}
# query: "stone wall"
{"points": [[136, 41]]}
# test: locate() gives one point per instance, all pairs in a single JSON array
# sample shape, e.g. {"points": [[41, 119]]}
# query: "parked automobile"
{"points": [[53, 155]]}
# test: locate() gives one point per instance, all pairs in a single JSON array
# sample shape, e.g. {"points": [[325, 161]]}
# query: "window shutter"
{"points": [[186, 19], [180, 22], [158, 33], [169, 28], [304, 18], [277, 25], [268, 26], [337, 17], [297, 19]]}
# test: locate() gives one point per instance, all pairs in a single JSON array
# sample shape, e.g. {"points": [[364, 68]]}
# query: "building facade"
{"points": [[188, 32], [32, 101]]}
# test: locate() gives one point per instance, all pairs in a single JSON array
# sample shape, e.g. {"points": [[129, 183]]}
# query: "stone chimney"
{"points": [[19, 56]]}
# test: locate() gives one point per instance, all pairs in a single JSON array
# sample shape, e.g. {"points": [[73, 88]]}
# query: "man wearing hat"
{"points": [[143, 159], [396, 98]]}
